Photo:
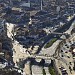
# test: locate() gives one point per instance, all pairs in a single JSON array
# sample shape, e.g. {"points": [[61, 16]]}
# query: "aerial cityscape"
{"points": [[37, 37]]}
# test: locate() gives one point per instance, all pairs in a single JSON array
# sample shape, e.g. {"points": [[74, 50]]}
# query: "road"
{"points": [[21, 53], [60, 30]]}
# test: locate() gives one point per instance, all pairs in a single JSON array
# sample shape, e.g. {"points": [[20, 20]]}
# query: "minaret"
{"points": [[29, 2], [41, 4], [11, 3]]}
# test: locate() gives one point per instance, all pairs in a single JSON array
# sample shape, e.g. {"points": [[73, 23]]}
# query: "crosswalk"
{"points": [[47, 71], [37, 70]]}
